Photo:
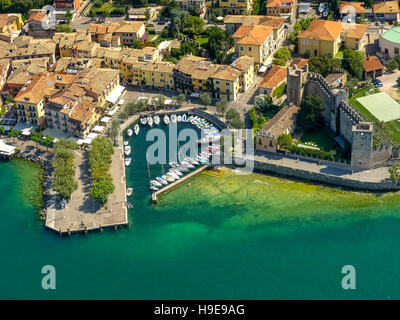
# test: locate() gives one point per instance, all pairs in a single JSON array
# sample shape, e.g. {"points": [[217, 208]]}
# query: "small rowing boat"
{"points": [[129, 132], [127, 150], [129, 191], [143, 121], [136, 128], [156, 120], [166, 119], [150, 121], [127, 161]]}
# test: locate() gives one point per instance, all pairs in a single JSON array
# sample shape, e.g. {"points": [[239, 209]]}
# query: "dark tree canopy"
{"points": [[310, 115]]}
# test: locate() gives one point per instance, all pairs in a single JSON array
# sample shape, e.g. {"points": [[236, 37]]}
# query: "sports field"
{"points": [[382, 106]]}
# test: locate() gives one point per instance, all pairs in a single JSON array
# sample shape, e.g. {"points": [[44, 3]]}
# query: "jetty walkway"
{"points": [[178, 182]]}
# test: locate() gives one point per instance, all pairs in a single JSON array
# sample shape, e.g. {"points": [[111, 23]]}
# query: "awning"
{"points": [[105, 119], [26, 132], [115, 94], [262, 69], [111, 113], [121, 102], [87, 141], [6, 149], [98, 129], [195, 95], [167, 102], [92, 135]]}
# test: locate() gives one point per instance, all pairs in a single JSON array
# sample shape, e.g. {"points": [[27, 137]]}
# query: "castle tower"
{"points": [[295, 84], [361, 146]]}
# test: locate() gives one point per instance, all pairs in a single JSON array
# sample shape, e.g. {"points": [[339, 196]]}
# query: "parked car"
{"points": [[377, 83]]}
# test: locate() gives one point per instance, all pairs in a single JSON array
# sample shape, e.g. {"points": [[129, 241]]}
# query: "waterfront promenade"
{"points": [[377, 179], [82, 213]]}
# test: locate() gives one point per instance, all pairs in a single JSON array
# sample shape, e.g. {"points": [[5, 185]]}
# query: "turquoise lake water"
{"points": [[219, 237]]}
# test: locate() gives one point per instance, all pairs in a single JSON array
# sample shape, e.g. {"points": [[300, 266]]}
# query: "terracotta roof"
{"points": [[252, 35], [372, 63], [322, 30], [227, 73], [299, 62], [82, 112], [358, 7], [40, 86], [131, 26], [37, 16], [386, 7], [356, 31], [243, 63], [278, 3], [275, 76]]}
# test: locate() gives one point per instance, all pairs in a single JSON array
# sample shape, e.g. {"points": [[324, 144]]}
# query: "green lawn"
{"points": [[393, 127], [323, 138]]}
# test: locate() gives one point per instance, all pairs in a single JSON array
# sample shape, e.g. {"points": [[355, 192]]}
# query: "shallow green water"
{"points": [[228, 236]]}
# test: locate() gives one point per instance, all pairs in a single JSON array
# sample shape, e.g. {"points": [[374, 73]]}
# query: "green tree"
{"points": [[282, 56], [147, 14], [205, 99], [324, 64], [285, 141], [263, 103], [101, 189], [68, 16], [160, 101], [394, 172], [193, 25], [391, 65], [233, 117], [309, 117], [114, 130], [2, 130], [222, 106], [353, 62], [13, 134]]}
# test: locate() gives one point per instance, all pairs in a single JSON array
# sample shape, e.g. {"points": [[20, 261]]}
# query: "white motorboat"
{"points": [[161, 180], [182, 168], [192, 161], [126, 143], [176, 171], [166, 119], [129, 191], [127, 150], [179, 118], [184, 118], [169, 178], [136, 128], [187, 164], [164, 177], [173, 118], [154, 188], [129, 132], [143, 120], [173, 174], [150, 121], [127, 161], [173, 164], [156, 120], [155, 183]]}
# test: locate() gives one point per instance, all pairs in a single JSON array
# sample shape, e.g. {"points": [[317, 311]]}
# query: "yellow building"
{"points": [[235, 6], [326, 37], [245, 65], [158, 75], [226, 83], [255, 41], [31, 99]]}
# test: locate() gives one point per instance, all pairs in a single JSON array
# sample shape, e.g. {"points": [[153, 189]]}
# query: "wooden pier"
{"points": [[176, 183]]}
